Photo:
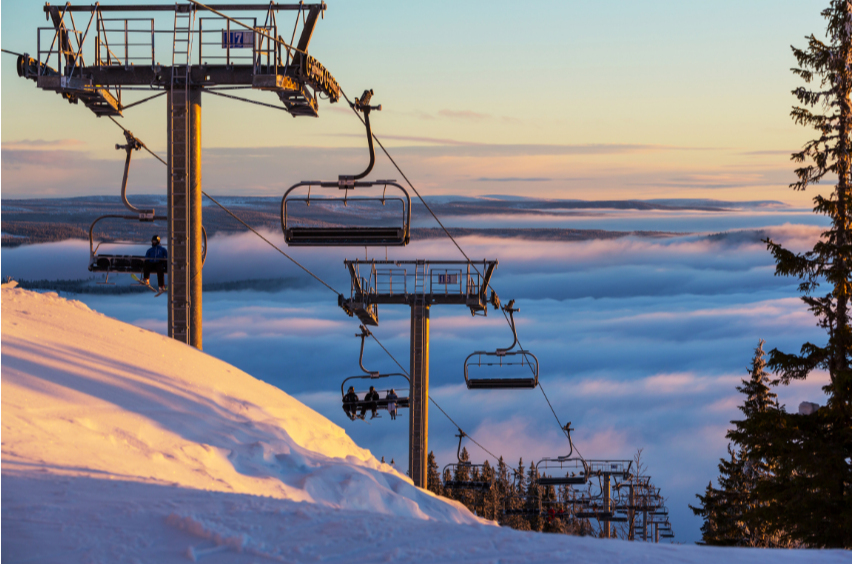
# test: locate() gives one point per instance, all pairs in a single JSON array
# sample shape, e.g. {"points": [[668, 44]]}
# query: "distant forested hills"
{"points": [[57, 219]]}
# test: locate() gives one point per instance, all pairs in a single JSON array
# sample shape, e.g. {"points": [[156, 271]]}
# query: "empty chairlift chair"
{"points": [[464, 475], [359, 403], [563, 470], [503, 358], [350, 220]]}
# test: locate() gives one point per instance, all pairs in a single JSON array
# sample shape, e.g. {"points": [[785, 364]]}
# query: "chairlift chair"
{"points": [[454, 469], [108, 263], [381, 403], [320, 234], [502, 358], [564, 470]]}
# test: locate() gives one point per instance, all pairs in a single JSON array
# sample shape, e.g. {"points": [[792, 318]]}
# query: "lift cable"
{"points": [[254, 29], [393, 358], [321, 281], [297, 263], [249, 227], [563, 427], [385, 151], [155, 155], [245, 100], [142, 101], [434, 215]]}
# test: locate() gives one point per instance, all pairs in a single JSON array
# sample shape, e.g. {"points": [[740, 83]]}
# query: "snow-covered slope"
{"points": [[120, 445], [92, 396]]}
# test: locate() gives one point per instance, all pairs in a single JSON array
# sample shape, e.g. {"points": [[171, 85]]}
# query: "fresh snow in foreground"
{"points": [[121, 445]]}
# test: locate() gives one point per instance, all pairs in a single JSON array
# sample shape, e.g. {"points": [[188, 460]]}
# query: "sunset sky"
{"points": [[642, 339], [622, 100]]}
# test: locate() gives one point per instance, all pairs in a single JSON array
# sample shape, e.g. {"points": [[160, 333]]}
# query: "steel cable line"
{"points": [[321, 281], [249, 227], [297, 263], [128, 106], [245, 100], [124, 129], [434, 215], [256, 30], [393, 358], [384, 150]]}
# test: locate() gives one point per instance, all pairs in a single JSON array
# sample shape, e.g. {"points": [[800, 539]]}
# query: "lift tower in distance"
{"points": [[419, 284], [205, 49]]}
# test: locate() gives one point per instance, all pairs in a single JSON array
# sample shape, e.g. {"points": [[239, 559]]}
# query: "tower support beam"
{"points": [[607, 506], [195, 222], [184, 205], [419, 411]]}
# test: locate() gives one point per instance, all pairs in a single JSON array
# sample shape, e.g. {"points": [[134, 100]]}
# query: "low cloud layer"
{"points": [[641, 341]]}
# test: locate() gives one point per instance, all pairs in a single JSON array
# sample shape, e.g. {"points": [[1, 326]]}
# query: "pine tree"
{"points": [[711, 511], [489, 498], [503, 491], [517, 500], [532, 502], [810, 492], [433, 478], [734, 515]]}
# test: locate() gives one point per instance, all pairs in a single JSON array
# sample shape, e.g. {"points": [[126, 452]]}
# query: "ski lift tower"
{"points": [[419, 284], [111, 52]]}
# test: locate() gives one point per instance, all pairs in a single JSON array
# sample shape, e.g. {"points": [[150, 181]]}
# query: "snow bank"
{"points": [[120, 445], [86, 395]]}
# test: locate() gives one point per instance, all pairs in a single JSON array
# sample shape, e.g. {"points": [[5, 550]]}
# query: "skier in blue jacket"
{"points": [[154, 264]]}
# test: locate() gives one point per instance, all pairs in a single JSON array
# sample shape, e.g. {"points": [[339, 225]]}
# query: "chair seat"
{"points": [[345, 236], [124, 263], [500, 383], [561, 480]]}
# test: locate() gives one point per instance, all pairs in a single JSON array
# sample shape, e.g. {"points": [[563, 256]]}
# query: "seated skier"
{"points": [[350, 401], [153, 263], [372, 398], [392, 397]]}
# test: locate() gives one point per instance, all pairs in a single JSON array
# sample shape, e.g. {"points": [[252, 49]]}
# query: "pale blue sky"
{"points": [[710, 77]]}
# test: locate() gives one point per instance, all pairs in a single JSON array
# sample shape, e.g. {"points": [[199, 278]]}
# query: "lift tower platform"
{"points": [[419, 284], [197, 48]]}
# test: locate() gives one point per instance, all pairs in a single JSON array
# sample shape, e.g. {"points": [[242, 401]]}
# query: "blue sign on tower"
{"points": [[237, 39]]}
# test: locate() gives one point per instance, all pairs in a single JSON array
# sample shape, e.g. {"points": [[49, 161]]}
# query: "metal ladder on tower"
{"points": [[179, 156]]}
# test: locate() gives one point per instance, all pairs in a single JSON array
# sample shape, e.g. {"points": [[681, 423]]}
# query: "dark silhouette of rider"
{"points": [[154, 262], [372, 399], [350, 401]]}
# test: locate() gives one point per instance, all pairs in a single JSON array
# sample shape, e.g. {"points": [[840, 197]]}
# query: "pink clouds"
{"points": [[41, 144]]}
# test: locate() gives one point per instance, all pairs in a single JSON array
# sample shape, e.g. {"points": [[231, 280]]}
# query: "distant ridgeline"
{"points": [[58, 219], [94, 286]]}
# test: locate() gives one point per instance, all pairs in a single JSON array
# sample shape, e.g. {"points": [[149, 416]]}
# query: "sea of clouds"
{"points": [[642, 340]]}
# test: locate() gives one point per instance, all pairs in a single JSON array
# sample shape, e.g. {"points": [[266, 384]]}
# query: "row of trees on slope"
{"points": [[787, 480], [515, 499], [522, 497]]}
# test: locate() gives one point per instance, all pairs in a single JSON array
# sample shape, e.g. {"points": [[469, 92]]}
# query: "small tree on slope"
{"points": [[811, 490], [733, 514]]}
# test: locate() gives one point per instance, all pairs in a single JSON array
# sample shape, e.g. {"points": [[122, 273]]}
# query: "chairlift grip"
{"points": [[133, 144]]}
